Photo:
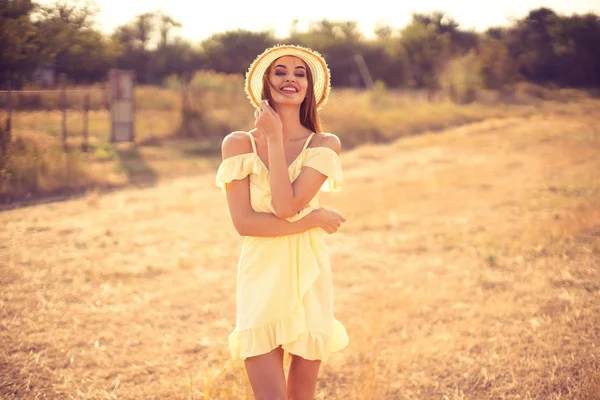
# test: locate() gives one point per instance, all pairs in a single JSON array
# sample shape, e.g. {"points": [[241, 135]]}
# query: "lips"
{"points": [[289, 89]]}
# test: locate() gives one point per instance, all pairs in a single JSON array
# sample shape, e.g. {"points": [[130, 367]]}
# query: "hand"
{"points": [[328, 220], [267, 121]]}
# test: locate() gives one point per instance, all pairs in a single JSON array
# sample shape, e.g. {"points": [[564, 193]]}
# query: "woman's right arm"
{"points": [[248, 222]]}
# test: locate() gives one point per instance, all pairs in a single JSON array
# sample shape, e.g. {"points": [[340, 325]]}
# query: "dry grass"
{"points": [[468, 269]]}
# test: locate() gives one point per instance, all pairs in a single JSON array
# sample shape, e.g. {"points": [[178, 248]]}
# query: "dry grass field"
{"points": [[468, 268]]}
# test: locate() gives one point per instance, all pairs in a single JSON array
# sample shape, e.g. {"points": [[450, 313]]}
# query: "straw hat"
{"points": [[315, 62]]}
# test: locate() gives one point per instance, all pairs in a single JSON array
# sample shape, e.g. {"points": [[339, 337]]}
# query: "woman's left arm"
{"points": [[288, 198]]}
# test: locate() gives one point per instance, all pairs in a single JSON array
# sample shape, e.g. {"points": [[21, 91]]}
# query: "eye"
{"points": [[280, 71], [300, 74]]}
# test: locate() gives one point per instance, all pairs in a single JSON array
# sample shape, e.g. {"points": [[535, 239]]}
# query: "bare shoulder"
{"points": [[327, 140], [236, 143]]}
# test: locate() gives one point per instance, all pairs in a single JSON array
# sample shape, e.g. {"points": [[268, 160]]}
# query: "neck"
{"points": [[290, 121]]}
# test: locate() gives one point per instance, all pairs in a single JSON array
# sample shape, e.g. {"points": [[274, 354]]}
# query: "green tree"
{"points": [[576, 47], [497, 66], [167, 24], [551, 48], [460, 41], [387, 60], [18, 41], [233, 51], [146, 46], [428, 42], [340, 42], [178, 57], [427, 49], [531, 45], [68, 39], [144, 26], [461, 78]]}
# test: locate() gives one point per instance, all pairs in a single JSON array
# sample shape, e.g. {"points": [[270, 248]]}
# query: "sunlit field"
{"points": [[468, 268]]}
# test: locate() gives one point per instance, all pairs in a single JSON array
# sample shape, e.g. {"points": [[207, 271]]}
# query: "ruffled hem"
{"points": [[327, 162], [235, 168], [318, 346], [290, 333]]}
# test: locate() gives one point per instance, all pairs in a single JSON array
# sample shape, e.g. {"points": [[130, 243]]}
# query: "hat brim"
{"points": [[315, 62]]}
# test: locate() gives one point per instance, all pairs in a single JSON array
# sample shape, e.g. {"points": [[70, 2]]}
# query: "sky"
{"points": [[200, 20]]}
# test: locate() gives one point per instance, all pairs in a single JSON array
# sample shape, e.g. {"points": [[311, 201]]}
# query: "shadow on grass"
{"points": [[134, 165], [143, 164], [127, 160], [201, 149]]}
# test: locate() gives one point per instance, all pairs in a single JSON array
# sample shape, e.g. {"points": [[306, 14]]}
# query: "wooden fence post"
{"points": [[5, 131], [9, 121], [184, 108], [86, 109], [363, 69], [63, 105]]}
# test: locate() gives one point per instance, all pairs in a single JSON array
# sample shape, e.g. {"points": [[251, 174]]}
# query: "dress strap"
{"points": [[308, 141], [253, 143]]}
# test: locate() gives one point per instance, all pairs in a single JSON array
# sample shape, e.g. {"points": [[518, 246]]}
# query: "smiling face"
{"points": [[288, 81]]}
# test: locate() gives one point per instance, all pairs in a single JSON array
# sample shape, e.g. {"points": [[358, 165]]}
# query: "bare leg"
{"points": [[302, 378], [266, 375]]}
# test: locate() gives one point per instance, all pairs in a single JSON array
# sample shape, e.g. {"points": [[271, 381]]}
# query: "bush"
{"points": [[173, 82], [214, 81], [461, 79], [215, 104], [29, 169]]}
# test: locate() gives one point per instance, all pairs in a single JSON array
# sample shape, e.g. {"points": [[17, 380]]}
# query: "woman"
{"points": [[271, 177]]}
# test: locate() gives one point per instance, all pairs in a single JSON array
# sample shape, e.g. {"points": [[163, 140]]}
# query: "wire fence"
{"points": [[62, 138], [43, 135], [62, 114]]}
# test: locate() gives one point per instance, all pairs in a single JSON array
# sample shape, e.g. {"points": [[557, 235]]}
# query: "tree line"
{"points": [[432, 51]]}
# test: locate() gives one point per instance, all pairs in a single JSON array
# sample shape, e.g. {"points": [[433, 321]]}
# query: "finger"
{"points": [[267, 106], [329, 228]]}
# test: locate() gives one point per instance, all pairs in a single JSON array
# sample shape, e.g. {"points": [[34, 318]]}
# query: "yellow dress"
{"points": [[284, 287]]}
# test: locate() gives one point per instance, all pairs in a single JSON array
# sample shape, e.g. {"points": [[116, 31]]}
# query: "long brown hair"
{"points": [[308, 109]]}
